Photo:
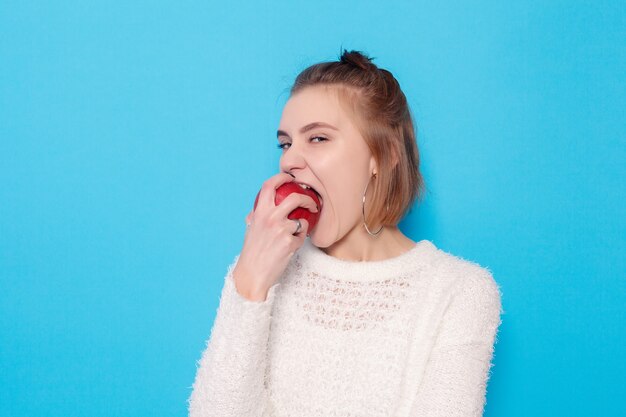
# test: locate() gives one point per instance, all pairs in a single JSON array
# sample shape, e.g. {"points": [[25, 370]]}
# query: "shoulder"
{"points": [[471, 297], [467, 281]]}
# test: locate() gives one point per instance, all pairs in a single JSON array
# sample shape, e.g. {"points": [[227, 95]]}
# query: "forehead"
{"points": [[316, 103]]}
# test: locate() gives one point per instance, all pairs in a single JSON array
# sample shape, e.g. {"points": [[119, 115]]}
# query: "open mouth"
{"points": [[308, 187]]}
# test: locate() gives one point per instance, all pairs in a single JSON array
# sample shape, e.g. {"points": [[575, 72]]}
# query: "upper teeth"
{"points": [[304, 186]]}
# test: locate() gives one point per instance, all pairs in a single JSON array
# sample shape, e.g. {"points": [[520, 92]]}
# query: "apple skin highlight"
{"points": [[299, 212]]}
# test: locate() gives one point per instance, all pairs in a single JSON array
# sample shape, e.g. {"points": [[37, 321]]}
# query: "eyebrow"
{"points": [[306, 128]]}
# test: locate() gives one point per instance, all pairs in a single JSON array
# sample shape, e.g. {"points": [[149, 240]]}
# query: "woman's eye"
{"points": [[319, 137], [284, 146]]}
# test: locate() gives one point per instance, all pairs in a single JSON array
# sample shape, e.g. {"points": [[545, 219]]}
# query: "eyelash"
{"points": [[281, 145]]}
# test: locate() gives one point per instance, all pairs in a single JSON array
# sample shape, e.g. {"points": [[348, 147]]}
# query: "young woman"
{"points": [[351, 318]]}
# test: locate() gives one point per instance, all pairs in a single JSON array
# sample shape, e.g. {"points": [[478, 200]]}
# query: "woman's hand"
{"points": [[270, 243]]}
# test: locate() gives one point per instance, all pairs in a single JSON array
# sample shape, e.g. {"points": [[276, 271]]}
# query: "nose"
{"points": [[292, 159]]}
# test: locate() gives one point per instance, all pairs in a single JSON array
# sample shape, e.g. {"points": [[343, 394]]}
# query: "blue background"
{"points": [[135, 135]]}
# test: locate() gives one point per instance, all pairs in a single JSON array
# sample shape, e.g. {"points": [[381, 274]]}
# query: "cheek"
{"points": [[339, 181], [343, 200], [342, 211], [340, 173]]}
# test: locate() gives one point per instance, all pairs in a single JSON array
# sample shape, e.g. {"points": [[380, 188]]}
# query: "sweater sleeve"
{"points": [[230, 378], [456, 375]]}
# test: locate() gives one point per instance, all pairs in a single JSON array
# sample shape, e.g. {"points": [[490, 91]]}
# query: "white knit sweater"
{"points": [[411, 335]]}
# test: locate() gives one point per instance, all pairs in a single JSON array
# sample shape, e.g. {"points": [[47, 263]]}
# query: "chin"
{"points": [[317, 241], [320, 240], [324, 238]]}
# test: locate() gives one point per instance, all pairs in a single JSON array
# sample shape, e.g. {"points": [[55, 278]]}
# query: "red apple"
{"points": [[299, 212]]}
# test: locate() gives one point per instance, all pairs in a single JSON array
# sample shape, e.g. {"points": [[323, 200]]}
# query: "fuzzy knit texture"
{"points": [[413, 335]]}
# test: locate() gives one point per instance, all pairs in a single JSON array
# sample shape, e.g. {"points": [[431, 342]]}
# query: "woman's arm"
{"points": [[230, 379], [456, 375]]}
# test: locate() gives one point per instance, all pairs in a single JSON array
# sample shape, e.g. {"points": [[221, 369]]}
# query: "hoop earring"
{"points": [[365, 224]]}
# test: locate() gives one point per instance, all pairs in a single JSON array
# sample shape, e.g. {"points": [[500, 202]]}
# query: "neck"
{"points": [[358, 245]]}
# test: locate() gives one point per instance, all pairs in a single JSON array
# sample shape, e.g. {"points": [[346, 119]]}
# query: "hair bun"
{"points": [[357, 59]]}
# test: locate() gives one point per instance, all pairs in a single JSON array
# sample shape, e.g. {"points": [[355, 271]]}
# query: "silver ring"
{"points": [[298, 227]]}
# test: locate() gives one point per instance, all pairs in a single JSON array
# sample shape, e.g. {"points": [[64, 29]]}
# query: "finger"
{"points": [[293, 201], [292, 226], [298, 239], [268, 189], [305, 228]]}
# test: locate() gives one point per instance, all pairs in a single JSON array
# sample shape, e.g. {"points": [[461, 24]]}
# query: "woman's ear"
{"points": [[394, 159], [373, 166]]}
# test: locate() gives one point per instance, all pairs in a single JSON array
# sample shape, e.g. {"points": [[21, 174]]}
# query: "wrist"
{"points": [[246, 286]]}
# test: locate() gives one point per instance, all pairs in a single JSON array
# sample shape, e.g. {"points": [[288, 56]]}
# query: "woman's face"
{"points": [[323, 149]]}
